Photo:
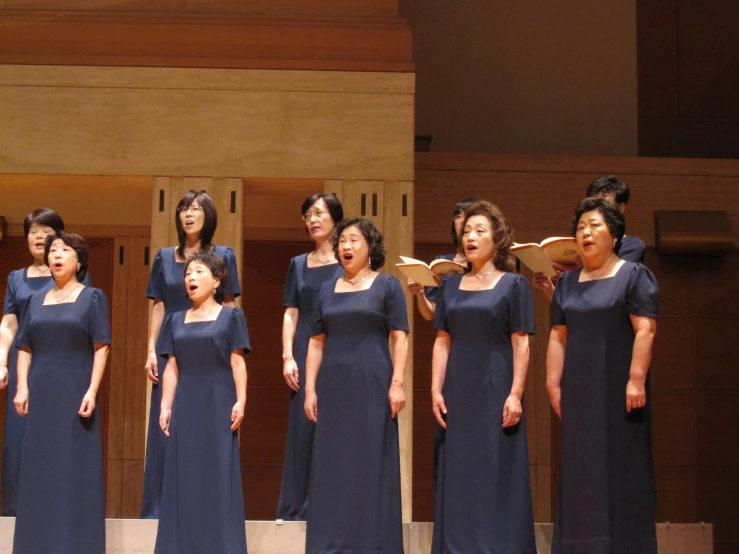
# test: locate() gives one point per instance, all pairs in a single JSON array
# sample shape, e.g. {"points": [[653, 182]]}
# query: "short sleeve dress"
{"points": [[483, 496], [60, 493], [20, 288], [355, 502], [202, 503], [300, 290], [607, 493], [167, 283]]}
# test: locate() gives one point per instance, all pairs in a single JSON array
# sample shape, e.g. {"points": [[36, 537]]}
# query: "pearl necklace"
{"points": [[200, 315], [320, 261], [483, 274], [41, 271]]}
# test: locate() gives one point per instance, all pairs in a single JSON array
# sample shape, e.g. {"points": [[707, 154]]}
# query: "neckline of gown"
{"points": [[84, 288], [306, 266], [201, 320], [372, 284], [579, 282], [460, 289], [27, 278]]}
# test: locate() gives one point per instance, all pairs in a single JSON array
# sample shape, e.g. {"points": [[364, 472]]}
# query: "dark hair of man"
{"points": [[611, 213], [43, 217], [75, 242], [609, 183], [335, 209], [217, 267], [371, 235], [210, 220], [502, 233], [461, 206]]}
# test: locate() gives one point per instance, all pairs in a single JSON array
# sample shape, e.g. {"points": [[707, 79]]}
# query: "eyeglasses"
{"points": [[317, 213], [191, 209], [458, 217]]}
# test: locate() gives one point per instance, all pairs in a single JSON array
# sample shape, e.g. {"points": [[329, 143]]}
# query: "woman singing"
{"points": [[202, 505], [353, 392], [63, 348], [600, 347], [321, 213], [196, 220]]}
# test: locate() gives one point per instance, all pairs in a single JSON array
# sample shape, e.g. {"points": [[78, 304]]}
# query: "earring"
{"points": [[214, 291], [614, 242]]}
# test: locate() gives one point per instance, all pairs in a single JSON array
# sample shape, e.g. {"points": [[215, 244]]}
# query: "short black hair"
{"points": [[77, 243], [611, 213], [370, 234], [45, 217], [609, 183], [210, 220], [217, 267], [502, 233], [461, 206], [335, 209]]}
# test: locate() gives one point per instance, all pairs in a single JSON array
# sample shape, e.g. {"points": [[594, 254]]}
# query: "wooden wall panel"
{"points": [[207, 122], [688, 73], [190, 39]]}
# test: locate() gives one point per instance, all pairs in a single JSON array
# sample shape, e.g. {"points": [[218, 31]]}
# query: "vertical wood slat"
{"points": [[398, 236], [116, 377], [230, 225]]}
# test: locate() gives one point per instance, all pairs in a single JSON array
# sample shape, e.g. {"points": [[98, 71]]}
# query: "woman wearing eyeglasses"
{"points": [[196, 221], [321, 213]]}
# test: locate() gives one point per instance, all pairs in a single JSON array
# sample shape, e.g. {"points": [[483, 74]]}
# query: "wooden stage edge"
{"points": [[134, 536]]}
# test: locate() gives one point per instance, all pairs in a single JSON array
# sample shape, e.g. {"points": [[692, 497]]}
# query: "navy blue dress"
{"points": [[300, 288], [60, 493], [606, 494], [20, 288], [355, 505], [632, 249], [167, 283], [433, 292], [483, 496], [202, 503]]}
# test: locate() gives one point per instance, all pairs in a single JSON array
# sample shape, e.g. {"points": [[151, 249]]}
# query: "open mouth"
{"points": [[58, 266], [39, 244], [587, 243], [471, 248], [315, 228], [347, 256], [192, 287]]}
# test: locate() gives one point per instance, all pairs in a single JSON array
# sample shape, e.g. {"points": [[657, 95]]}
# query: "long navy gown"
{"points": [[300, 289], [607, 493], [60, 492], [167, 283], [483, 495], [20, 288], [202, 503], [355, 505]]}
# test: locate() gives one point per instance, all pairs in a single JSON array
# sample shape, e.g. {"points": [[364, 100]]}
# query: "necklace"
{"points": [[60, 300], [41, 271], [320, 261], [202, 313], [483, 274], [356, 280], [601, 273]]}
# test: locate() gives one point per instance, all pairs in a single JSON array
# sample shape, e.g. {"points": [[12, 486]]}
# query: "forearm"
{"points": [[641, 356], [425, 307], [555, 360], [98, 367], [169, 383], [313, 362], [289, 328], [521, 354], [400, 356], [24, 363], [155, 324], [439, 360], [8, 328], [238, 366]]}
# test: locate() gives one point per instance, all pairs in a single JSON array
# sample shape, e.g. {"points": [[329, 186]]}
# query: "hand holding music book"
{"points": [[429, 275], [539, 257]]}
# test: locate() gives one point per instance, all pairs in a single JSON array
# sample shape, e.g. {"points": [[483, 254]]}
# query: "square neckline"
{"points": [[43, 303], [203, 321], [495, 286], [372, 284], [306, 266], [579, 282]]}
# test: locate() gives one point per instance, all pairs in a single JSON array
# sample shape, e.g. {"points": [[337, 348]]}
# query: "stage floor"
{"points": [[134, 536]]}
